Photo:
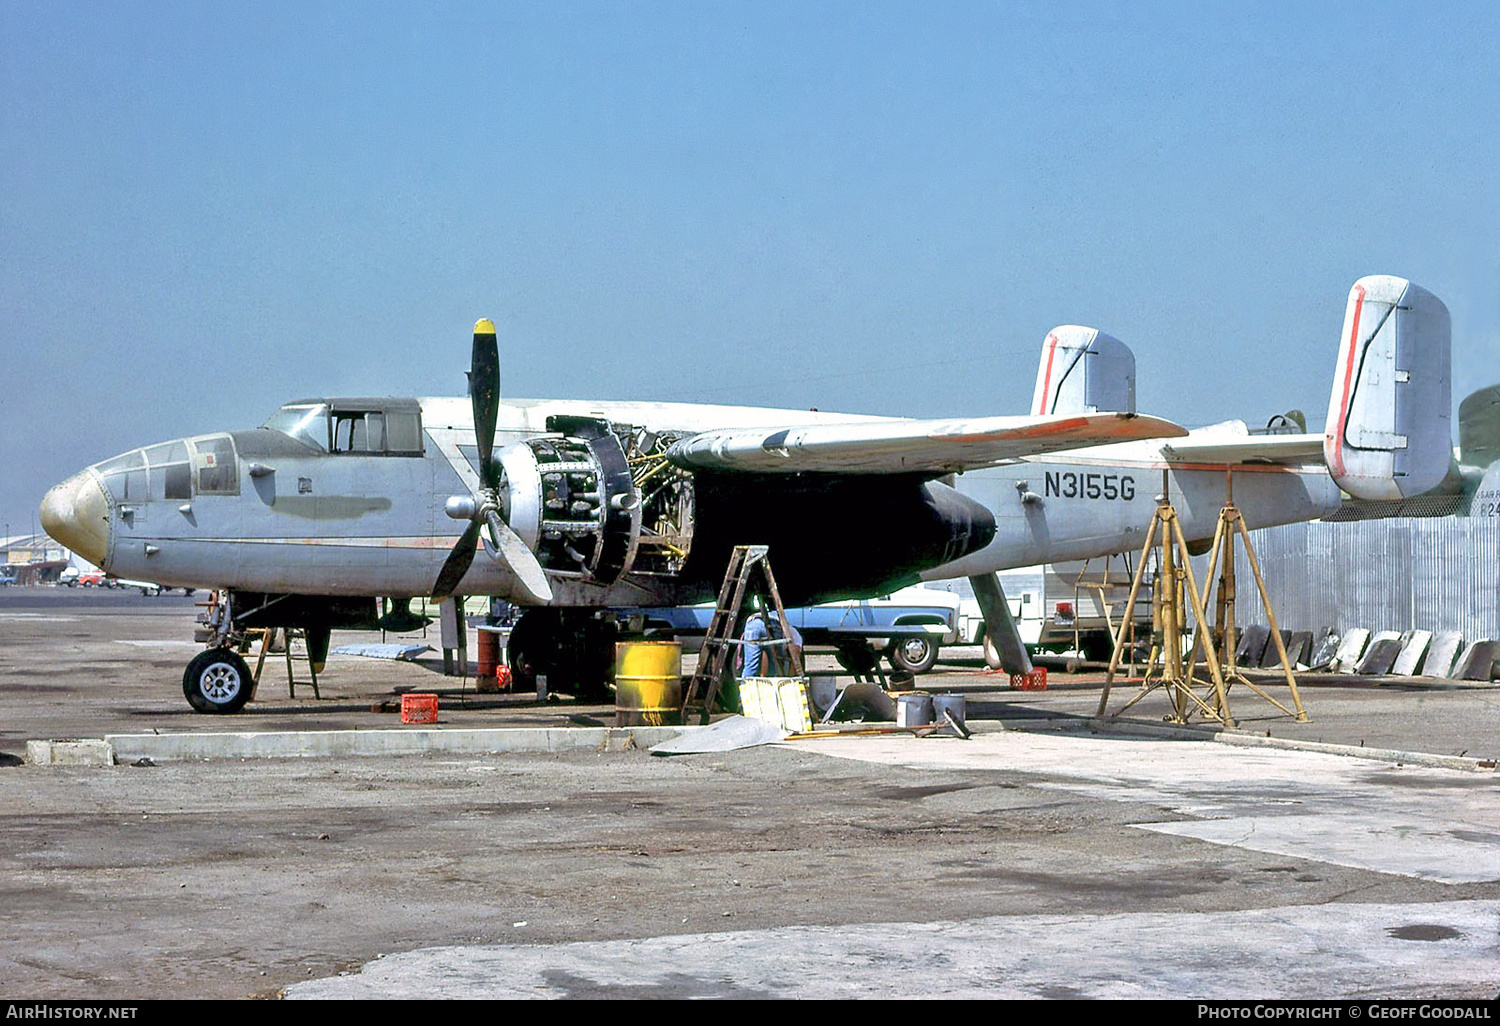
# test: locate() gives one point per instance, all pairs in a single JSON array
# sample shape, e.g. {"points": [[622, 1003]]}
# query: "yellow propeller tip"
{"points": [[484, 326]]}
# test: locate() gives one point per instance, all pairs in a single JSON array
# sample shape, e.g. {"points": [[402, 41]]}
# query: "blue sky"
{"points": [[209, 208]]}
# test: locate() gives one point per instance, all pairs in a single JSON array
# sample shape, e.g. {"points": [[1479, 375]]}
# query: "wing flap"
{"points": [[910, 446]]}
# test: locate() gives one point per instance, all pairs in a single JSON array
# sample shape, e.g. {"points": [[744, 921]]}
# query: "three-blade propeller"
{"points": [[482, 509]]}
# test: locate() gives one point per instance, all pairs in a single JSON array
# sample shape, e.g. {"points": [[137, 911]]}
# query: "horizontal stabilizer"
{"points": [[1389, 425], [1217, 448], [909, 446]]}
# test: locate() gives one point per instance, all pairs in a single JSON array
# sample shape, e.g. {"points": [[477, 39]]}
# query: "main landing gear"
{"points": [[573, 649]]}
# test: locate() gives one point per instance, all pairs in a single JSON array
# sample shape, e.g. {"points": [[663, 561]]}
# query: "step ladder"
{"points": [[723, 636], [291, 634]]}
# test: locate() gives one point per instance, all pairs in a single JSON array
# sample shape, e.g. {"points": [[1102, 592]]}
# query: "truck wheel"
{"points": [[914, 655], [217, 681], [991, 653]]}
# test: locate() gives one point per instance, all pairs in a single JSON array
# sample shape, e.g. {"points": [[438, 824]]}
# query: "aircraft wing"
{"points": [[1281, 449], [909, 446]]}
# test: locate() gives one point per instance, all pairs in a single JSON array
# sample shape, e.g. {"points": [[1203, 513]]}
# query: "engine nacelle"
{"points": [[570, 498]]}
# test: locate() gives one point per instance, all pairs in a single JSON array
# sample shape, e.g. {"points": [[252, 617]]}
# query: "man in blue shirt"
{"points": [[753, 654]]}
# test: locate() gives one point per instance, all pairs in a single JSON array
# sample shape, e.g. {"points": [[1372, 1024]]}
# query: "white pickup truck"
{"points": [[1061, 607]]}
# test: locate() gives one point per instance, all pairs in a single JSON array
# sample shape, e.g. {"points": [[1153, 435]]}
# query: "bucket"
{"points": [[914, 709], [822, 692], [648, 683], [953, 705]]}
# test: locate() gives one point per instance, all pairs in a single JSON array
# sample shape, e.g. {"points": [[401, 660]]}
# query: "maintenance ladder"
{"points": [[721, 638], [289, 634]]}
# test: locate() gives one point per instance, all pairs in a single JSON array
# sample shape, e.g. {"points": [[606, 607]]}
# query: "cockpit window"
{"points": [[171, 470], [392, 431], [217, 467], [125, 476], [306, 422]]}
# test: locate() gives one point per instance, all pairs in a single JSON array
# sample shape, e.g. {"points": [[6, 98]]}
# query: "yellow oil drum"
{"points": [[648, 683]]}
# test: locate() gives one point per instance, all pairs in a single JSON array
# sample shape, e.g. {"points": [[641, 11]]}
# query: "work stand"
{"points": [[1175, 597], [723, 628]]}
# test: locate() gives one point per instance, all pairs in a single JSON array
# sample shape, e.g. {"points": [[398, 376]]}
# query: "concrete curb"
{"points": [[70, 752], [356, 743], [1108, 725], [125, 748]]}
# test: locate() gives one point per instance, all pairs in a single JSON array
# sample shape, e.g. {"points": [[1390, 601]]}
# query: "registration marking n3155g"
{"points": [[1072, 485]]}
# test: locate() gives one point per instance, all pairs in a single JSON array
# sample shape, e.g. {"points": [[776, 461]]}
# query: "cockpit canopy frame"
{"points": [[353, 425]]}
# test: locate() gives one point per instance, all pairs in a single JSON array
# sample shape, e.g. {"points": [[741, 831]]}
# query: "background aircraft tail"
{"points": [[1389, 428], [1479, 428], [1084, 370]]}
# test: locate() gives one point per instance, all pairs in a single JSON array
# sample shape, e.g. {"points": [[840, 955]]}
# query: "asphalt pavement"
{"points": [[1048, 856]]}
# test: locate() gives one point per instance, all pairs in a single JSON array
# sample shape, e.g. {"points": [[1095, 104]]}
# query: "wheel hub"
{"points": [[219, 682]]}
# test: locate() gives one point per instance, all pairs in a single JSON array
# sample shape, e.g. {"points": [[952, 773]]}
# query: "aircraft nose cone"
{"points": [[76, 513]]}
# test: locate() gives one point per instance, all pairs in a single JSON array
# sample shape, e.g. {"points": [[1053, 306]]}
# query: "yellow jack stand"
{"points": [[1176, 678], [1168, 620], [1232, 525]]}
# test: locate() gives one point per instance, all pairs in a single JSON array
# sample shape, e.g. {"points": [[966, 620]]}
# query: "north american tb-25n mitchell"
{"points": [[584, 506]]}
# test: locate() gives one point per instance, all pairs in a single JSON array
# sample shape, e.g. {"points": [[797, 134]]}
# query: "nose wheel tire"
{"points": [[217, 681]]}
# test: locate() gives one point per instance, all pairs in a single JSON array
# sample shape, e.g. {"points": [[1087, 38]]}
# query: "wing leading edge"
{"points": [[909, 446]]}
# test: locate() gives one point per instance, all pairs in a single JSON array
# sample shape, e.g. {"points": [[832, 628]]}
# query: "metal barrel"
{"points": [[648, 683], [489, 659]]}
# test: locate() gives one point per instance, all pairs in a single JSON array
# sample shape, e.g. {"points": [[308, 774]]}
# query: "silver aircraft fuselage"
{"points": [[273, 511]]}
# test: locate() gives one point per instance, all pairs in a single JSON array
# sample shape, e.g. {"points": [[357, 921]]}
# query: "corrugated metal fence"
{"points": [[1431, 574]]}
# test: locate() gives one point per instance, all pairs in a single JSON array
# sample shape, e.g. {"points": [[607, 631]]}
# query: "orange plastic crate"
{"points": [[1036, 680], [419, 708]]}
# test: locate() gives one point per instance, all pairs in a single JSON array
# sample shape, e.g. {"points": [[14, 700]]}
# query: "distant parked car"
{"points": [[7, 578], [69, 576], [146, 587], [93, 579]]}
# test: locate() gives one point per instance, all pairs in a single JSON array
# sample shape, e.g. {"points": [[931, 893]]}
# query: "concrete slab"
{"points": [[1412, 651], [1351, 647], [1381, 654], [1271, 658], [1299, 952], [87, 752], [1325, 649], [1252, 645], [1444, 650], [1478, 661], [1299, 648], [1451, 853], [1429, 823]]}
